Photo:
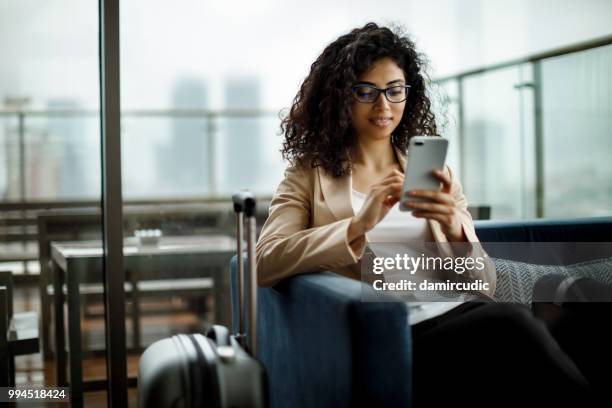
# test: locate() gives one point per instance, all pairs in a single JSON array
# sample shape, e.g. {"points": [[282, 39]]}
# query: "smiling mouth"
{"points": [[381, 122]]}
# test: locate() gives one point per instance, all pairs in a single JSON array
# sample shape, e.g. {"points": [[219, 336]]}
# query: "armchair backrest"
{"points": [[572, 233], [596, 229]]}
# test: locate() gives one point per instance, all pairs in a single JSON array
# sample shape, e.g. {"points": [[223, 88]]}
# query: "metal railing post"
{"points": [[461, 128], [22, 176], [22, 166], [211, 135], [539, 139]]}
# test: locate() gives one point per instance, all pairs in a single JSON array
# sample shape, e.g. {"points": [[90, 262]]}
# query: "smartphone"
{"points": [[425, 154]]}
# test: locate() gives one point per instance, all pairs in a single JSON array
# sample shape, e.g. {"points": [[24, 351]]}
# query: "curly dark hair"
{"points": [[318, 129]]}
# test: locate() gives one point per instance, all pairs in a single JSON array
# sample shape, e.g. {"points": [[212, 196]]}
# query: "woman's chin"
{"points": [[378, 135], [374, 133]]}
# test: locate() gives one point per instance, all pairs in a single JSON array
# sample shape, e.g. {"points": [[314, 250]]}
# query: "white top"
{"points": [[397, 227]]}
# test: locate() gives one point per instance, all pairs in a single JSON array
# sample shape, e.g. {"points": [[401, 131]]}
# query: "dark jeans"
{"points": [[495, 354]]}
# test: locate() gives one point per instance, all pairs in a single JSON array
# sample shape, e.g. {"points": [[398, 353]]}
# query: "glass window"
{"points": [[446, 106], [577, 126], [50, 185], [492, 154]]}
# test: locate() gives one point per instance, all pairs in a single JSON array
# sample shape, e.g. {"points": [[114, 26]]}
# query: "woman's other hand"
{"points": [[381, 197], [442, 208]]}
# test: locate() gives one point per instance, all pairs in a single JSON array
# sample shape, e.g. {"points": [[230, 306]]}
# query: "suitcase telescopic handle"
{"points": [[244, 201], [244, 206]]}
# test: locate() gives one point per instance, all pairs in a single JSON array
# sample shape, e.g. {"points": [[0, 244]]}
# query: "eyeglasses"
{"points": [[369, 93]]}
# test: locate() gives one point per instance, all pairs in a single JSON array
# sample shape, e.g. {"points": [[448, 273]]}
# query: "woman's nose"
{"points": [[381, 102]]}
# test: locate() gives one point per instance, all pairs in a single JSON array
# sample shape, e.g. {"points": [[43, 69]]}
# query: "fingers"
{"points": [[444, 178], [395, 172], [391, 200], [392, 180], [388, 191], [437, 196], [387, 194], [431, 207], [392, 195], [393, 188], [393, 175]]}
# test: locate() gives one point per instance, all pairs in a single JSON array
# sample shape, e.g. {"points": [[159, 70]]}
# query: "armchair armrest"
{"points": [[322, 346]]}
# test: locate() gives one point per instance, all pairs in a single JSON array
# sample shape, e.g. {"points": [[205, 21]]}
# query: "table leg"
{"points": [[60, 342], [135, 310], [46, 306], [4, 352], [74, 339]]}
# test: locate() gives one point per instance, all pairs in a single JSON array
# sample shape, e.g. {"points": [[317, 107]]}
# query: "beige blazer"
{"points": [[308, 222]]}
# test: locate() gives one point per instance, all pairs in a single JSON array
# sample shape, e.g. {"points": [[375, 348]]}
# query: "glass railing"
{"points": [[529, 138], [55, 155], [532, 136]]}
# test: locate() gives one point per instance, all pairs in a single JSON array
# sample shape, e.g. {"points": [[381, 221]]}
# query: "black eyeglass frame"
{"points": [[379, 91]]}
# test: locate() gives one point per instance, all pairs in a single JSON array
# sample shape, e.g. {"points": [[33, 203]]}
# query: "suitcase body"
{"points": [[191, 370], [213, 370]]}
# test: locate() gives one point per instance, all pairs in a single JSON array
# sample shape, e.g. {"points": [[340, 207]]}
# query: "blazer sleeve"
{"points": [[488, 273], [287, 246]]}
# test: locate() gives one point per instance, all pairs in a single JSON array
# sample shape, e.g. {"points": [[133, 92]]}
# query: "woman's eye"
{"points": [[397, 91]]}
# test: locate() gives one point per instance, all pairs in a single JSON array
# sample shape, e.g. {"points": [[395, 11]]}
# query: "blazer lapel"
{"points": [[337, 194]]}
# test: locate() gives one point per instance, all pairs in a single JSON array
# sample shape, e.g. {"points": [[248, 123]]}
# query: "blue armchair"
{"points": [[323, 347]]}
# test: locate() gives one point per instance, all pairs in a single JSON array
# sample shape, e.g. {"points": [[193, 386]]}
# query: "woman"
{"points": [[346, 136]]}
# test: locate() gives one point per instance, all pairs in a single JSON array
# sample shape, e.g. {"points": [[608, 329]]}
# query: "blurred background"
{"points": [[202, 83], [523, 89]]}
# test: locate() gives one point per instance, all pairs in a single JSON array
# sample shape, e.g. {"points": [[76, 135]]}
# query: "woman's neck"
{"points": [[374, 155]]}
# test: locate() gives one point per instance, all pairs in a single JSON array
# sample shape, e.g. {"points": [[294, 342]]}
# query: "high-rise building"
{"points": [[241, 154], [183, 160], [60, 153]]}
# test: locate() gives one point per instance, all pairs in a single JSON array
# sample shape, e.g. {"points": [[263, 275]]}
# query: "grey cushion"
{"points": [[515, 280]]}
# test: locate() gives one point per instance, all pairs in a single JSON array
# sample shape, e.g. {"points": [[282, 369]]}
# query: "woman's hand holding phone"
{"points": [[384, 195], [441, 208]]}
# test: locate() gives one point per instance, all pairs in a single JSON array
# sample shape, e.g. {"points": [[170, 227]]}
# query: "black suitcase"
{"points": [[216, 370]]}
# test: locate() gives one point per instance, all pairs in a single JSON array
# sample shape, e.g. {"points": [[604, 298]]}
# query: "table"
{"points": [[76, 264]]}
